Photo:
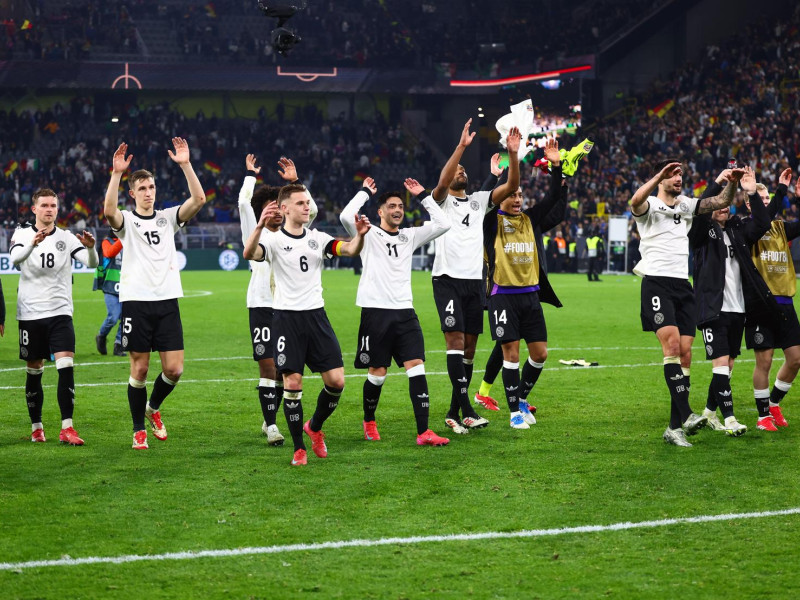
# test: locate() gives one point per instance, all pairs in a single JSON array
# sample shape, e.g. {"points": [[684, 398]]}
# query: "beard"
{"points": [[459, 184]]}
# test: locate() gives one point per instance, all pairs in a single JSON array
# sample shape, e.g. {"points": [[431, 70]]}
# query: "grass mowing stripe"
{"points": [[361, 543]]}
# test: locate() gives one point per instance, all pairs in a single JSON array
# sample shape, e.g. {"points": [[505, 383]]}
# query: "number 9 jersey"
{"points": [[150, 268]]}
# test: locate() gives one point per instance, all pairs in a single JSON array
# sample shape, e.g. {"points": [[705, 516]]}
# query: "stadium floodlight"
{"points": [[282, 38]]}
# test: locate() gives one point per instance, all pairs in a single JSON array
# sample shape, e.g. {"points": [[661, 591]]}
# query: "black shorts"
{"points": [[668, 301], [151, 325], [782, 331], [39, 338], [514, 317], [261, 332], [460, 304], [305, 338], [723, 335], [386, 334]]}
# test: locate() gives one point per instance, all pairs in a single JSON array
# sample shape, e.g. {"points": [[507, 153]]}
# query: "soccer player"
{"points": [[150, 283], [2, 311], [667, 300], [259, 290], [303, 335], [517, 282], [44, 253], [458, 269], [106, 278], [776, 328], [722, 271], [389, 325]]}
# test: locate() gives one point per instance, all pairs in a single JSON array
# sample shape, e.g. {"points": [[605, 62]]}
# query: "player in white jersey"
{"points": [[667, 300], [150, 283], [303, 335], [389, 325], [259, 291], [44, 253], [458, 272]]}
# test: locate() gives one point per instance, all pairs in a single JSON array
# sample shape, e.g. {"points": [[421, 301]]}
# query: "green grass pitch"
{"points": [[595, 458]]}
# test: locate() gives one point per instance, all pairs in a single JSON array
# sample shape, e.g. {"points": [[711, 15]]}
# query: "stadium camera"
{"points": [[282, 38]]}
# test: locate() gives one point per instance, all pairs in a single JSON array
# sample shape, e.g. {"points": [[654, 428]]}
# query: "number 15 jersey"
{"points": [[150, 268]]}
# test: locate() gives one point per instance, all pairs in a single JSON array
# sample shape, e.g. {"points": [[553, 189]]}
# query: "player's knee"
{"points": [[336, 382], [539, 355], [173, 374]]}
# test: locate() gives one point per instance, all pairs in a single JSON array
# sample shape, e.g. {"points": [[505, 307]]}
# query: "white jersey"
{"points": [[297, 262], [259, 290], [150, 269], [732, 295], [459, 252], [387, 257], [664, 231], [45, 282]]}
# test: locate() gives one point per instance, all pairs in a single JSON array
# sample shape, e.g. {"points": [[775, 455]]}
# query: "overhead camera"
{"points": [[282, 38]]}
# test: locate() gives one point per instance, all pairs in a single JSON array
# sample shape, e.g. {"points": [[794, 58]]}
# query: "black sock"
{"points": [[458, 379], [530, 375], [511, 385], [34, 395], [762, 405], [327, 401], [494, 364], [711, 400], [293, 410], [137, 400], [161, 389], [66, 391], [418, 390], [468, 368], [777, 394], [722, 393], [677, 390], [372, 394], [268, 398]]}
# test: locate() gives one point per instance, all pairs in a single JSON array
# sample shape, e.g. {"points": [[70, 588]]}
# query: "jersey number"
{"points": [[465, 221], [48, 260], [303, 264], [677, 219], [730, 251], [501, 318], [152, 237], [260, 334], [392, 247]]}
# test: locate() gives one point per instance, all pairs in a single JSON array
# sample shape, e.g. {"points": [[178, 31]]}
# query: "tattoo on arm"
{"points": [[722, 200]]}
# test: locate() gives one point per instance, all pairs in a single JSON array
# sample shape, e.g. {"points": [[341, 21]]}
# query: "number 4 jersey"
{"points": [[150, 268]]}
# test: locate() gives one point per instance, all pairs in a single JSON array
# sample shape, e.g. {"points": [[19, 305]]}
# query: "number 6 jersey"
{"points": [[150, 268]]}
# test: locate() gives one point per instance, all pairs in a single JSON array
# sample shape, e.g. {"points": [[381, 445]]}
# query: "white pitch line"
{"points": [[366, 543]]}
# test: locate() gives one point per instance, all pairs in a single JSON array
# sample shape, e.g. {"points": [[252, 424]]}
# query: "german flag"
{"points": [[211, 11], [213, 167], [661, 109], [80, 206], [26, 25], [699, 187], [211, 195], [360, 176], [10, 167]]}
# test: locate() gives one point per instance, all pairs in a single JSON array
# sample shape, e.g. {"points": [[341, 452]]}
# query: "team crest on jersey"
{"points": [[23, 352], [684, 207], [403, 238], [712, 234], [758, 338], [281, 360], [658, 318], [313, 244], [61, 246], [260, 349], [363, 358], [709, 349], [450, 321], [499, 332], [161, 222], [474, 204]]}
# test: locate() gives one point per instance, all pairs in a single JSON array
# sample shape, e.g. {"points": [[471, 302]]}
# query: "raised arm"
{"points": [[451, 166], [252, 248], [119, 165], [88, 254], [349, 213], [197, 197], [495, 170], [501, 192], [288, 172], [247, 218], [639, 204], [760, 222], [354, 246], [439, 222], [723, 199]]}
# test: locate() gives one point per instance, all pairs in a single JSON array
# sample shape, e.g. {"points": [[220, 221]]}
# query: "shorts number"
{"points": [[127, 325], [48, 260], [677, 219], [303, 264], [23, 337], [364, 344], [502, 318], [656, 303], [449, 307], [708, 336], [281, 344], [260, 334], [152, 237]]}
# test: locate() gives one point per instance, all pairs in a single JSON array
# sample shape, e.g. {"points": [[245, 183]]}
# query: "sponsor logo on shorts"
{"points": [[499, 332], [363, 358], [60, 246], [124, 341], [450, 321], [313, 244], [260, 349], [658, 318], [758, 338], [474, 204], [281, 360], [709, 349]]}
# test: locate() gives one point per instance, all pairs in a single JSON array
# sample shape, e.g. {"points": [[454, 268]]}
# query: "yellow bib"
{"points": [[773, 260]]}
